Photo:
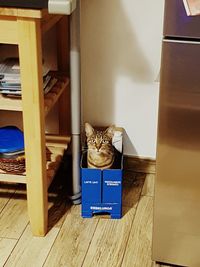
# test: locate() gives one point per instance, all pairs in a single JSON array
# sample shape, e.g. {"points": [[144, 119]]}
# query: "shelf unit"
{"points": [[57, 146], [50, 99], [25, 27]]}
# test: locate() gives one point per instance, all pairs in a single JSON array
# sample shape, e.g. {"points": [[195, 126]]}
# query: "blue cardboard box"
{"points": [[102, 189]]}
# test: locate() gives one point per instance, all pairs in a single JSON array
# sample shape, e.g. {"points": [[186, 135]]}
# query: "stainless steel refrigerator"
{"points": [[176, 225]]}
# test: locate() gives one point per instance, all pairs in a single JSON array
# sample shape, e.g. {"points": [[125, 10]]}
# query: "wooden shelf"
{"points": [[12, 178], [57, 145], [25, 28], [8, 103], [48, 21], [9, 35], [23, 12], [15, 104], [52, 97]]}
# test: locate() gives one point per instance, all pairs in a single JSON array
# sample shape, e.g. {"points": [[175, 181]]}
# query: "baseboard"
{"points": [[137, 164]]}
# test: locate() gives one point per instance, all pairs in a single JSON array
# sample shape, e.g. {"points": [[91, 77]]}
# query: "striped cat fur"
{"points": [[100, 151]]}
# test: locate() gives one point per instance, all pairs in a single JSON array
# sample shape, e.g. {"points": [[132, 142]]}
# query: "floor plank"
{"points": [[6, 247], [58, 207], [136, 164], [109, 242], [132, 186], [32, 251], [73, 240], [155, 264], [6, 192], [110, 238], [14, 217], [148, 188], [138, 250]]}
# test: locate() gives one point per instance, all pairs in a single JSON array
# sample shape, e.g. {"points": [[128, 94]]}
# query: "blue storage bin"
{"points": [[112, 186], [102, 189], [91, 185]]}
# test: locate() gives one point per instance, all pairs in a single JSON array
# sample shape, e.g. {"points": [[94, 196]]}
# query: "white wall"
{"points": [[120, 48]]}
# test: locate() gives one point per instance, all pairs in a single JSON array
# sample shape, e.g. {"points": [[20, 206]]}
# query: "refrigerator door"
{"points": [[177, 23], [176, 230]]}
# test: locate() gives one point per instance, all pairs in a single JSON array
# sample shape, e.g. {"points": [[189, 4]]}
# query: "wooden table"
{"points": [[24, 27]]}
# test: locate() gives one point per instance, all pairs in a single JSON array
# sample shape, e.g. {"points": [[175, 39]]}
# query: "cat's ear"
{"points": [[110, 131], [89, 130]]}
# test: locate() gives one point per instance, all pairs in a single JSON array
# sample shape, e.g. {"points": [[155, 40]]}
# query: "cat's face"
{"points": [[99, 141]]}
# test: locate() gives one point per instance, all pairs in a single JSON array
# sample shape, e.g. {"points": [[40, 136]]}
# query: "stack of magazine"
{"points": [[10, 84]]}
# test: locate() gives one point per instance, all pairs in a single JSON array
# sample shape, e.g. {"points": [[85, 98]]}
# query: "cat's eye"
{"points": [[105, 141], [92, 141]]}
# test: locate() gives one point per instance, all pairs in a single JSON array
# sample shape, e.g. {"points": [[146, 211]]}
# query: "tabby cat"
{"points": [[100, 152]]}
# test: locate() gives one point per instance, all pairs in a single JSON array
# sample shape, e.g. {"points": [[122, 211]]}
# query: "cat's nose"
{"points": [[98, 147]]}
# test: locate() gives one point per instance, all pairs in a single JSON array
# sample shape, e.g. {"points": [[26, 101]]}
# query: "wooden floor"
{"points": [[74, 241]]}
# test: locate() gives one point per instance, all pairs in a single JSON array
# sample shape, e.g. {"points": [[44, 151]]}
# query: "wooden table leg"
{"points": [[30, 54]]}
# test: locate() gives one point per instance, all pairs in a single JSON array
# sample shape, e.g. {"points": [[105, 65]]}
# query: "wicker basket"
{"points": [[17, 165], [13, 165]]}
